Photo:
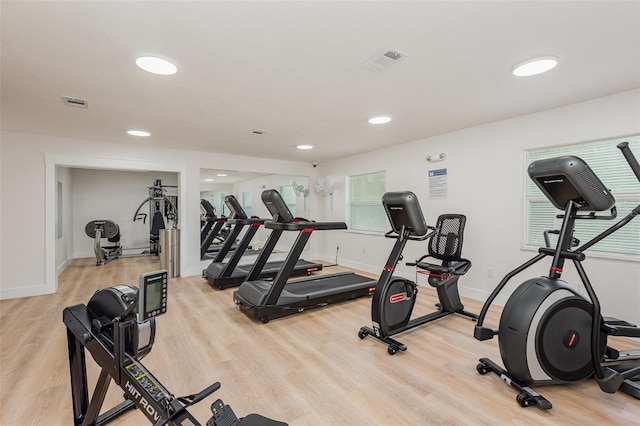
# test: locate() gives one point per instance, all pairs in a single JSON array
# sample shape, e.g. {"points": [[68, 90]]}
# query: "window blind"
{"points": [[366, 210], [608, 163]]}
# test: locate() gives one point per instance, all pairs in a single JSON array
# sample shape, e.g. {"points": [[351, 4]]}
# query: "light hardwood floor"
{"points": [[306, 369]]}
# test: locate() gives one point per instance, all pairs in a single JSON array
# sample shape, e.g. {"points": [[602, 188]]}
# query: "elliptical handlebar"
{"points": [[631, 159]]}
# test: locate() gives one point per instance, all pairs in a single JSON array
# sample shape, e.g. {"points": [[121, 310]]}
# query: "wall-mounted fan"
{"points": [[300, 190], [323, 186]]}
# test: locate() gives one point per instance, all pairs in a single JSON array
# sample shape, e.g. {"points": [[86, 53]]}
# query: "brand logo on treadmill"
{"points": [[396, 208], [553, 181], [399, 297]]}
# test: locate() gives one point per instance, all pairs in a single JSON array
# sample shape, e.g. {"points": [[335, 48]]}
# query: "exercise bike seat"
{"points": [[459, 268], [445, 244]]}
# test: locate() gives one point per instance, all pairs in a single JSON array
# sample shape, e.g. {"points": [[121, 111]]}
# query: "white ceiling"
{"points": [[294, 69]]}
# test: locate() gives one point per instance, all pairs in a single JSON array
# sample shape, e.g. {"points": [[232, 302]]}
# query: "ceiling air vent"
{"points": [[384, 59], [77, 102]]}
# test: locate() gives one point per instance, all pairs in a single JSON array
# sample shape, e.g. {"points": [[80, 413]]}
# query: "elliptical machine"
{"points": [[548, 333], [99, 229], [117, 327], [395, 297]]}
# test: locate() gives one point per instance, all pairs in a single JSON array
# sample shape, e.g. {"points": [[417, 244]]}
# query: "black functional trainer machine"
{"points": [[267, 300], [160, 206], [394, 298], [548, 333], [117, 327], [233, 272], [99, 229]]}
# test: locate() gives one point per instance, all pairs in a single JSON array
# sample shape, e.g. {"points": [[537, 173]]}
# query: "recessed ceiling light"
{"points": [[138, 133], [222, 174], [304, 146], [156, 65], [535, 66], [381, 119], [208, 180]]}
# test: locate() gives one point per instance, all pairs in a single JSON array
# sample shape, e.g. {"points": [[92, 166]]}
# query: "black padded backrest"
{"points": [[446, 242], [234, 207], [157, 224], [276, 206]]}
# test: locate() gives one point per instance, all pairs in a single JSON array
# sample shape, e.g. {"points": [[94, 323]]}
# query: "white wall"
{"points": [[64, 244], [485, 167], [25, 176], [486, 173], [114, 195]]}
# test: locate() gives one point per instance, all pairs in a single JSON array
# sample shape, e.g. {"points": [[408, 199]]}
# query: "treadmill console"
{"points": [[276, 206], [152, 294], [234, 207]]}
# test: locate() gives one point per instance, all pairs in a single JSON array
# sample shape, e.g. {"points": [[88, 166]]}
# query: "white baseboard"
{"points": [[18, 292]]}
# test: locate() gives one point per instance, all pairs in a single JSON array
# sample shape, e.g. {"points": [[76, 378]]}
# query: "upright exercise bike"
{"points": [[394, 297], [548, 332]]}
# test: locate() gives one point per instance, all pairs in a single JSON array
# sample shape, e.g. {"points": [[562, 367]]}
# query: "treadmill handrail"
{"points": [[299, 226], [248, 221]]}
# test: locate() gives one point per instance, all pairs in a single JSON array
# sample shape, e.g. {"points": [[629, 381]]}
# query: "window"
{"points": [[223, 206], [365, 202], [289, 197], [246, 202], [608, 163]]}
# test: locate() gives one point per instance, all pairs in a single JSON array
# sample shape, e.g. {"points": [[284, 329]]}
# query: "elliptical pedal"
{"points": [[526, 396]]}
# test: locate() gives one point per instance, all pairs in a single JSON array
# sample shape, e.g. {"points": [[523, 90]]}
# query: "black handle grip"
{"points": [[205, 393], [631, 159]]}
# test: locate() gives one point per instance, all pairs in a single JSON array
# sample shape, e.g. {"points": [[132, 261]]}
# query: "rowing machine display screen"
{"points": [[152, 294]]}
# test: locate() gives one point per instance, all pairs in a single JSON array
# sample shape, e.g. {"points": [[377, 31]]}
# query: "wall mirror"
{"points": [[247, 187]]}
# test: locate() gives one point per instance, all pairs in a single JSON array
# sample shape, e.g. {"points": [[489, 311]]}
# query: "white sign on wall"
{"points": [[438, 183]]}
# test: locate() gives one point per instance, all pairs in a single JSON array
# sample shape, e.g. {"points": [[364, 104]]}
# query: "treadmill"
{"points": [[210, 230], [235, 270], [266, 300]]}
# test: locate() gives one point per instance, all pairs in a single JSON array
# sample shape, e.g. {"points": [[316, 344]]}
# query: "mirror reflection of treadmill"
{"points": [[266, 300], [232, 272], [212, 230]]}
